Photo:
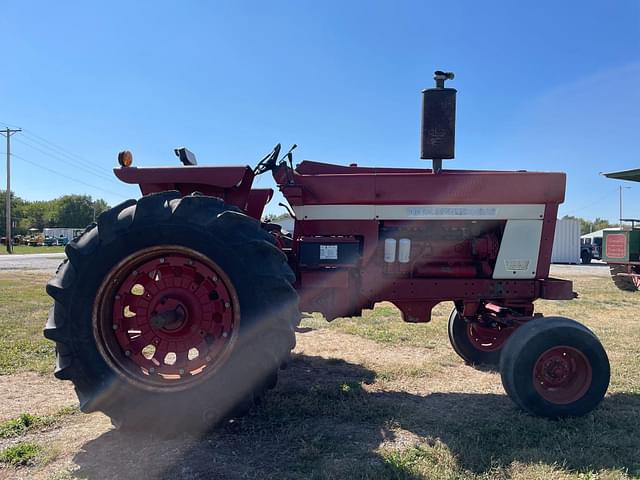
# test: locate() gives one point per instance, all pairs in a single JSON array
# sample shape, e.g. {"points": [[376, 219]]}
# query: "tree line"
{"points": [[588, 226], [72, 211]]}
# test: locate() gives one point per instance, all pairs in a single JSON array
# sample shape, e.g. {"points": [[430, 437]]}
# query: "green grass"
{"points": [[27, 422], [384, 325], [22, 454], [24, 306], [17, 426], [27, 249], [414, 461]]}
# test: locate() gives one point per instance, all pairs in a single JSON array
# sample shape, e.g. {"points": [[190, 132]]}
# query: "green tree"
{"points": [[38, 214], [100, 206], [68, 211], [587, 226], [75, 211], [14, 204]]}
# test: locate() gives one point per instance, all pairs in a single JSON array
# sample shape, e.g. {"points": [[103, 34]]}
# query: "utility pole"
{"points": [[621, 188], [7, 132]]}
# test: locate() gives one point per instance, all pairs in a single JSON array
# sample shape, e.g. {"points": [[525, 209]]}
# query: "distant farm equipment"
{"points": [[621, 248], [177, 310], [48, 237], [60, 236]]}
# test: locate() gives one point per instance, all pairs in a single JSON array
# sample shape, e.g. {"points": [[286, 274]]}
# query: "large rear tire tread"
{"points": [[525, 347], [258, 270]]}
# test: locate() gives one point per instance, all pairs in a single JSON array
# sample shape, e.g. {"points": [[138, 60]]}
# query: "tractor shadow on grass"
{"points": [[321, 422]]}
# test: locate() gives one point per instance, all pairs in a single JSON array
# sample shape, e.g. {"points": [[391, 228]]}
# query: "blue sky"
{"points": [[542, 85]]}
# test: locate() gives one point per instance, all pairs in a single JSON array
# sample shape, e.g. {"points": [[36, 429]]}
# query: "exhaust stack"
{"points": [[438, 121]]}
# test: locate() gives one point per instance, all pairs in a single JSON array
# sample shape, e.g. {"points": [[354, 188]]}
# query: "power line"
{"points": [[73, 158], [59, 150], [63, 151], [598, 200], [55, 146], [76, 164], [66, 176]]}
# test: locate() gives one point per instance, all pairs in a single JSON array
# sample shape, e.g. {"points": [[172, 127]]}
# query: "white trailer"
{"points": [[57, 232], [566, 242]]}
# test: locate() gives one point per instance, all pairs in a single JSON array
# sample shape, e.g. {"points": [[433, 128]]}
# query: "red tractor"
{"points": [[177, 310]]}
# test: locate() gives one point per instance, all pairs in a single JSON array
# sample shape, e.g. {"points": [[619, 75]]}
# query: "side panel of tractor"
{"points": [[365, 235]]}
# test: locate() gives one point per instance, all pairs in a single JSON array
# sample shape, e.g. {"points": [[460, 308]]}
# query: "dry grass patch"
{"points": [[24, 306]]}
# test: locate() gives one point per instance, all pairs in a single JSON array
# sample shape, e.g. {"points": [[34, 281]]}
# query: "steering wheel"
{"points": [[268, 162]]}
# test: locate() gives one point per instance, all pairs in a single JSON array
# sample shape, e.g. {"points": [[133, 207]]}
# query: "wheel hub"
{"points": [[487, 339], [562, 375], [167, 317]]}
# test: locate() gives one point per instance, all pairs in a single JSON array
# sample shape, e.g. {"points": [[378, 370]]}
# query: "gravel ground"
{"points": [[41, 262], [595, 269]]}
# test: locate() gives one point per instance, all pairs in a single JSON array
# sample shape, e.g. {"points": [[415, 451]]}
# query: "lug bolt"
{"points": [[225, 334], [181, 371], [227, 304], [135, 272], [152, 370], [115, 326], [190, 262], [214, 278], [117, 297], [162, 260], [127, 353], [208, 359]]}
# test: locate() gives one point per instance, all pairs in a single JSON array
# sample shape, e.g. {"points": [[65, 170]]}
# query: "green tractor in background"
{"points": [[621, 248]]}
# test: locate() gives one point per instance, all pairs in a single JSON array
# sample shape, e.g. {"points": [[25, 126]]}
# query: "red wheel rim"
{"points": [[166, 317], [562, 375], [487, 339]]}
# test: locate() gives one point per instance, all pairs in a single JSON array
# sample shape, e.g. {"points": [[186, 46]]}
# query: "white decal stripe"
{"points": [[419, 212]]}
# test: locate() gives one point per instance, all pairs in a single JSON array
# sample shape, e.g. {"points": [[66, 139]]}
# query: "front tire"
{"points": [[476, 344], [624, 282], [172, 313], [555, 367]]}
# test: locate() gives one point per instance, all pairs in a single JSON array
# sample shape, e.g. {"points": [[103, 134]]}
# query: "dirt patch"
{"points": [[33, 393], [414, 369]]}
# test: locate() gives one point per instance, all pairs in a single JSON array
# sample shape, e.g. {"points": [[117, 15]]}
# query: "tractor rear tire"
{"points": [[203, 336], [628, 284], [555, 367], [475, 344]]}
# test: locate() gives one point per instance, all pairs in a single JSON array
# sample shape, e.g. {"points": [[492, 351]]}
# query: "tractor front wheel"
{"points": [[475, 343], [555, 367], [622, 280], [172, 313]]}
